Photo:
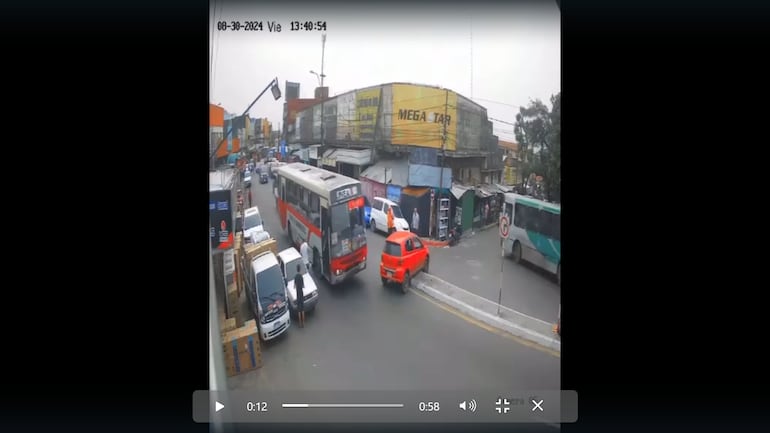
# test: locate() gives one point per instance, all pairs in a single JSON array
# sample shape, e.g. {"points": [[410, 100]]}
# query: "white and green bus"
{"points": [[535, 232]]}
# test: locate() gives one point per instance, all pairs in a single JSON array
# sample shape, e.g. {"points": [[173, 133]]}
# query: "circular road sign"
{"points": [[504, 226]]}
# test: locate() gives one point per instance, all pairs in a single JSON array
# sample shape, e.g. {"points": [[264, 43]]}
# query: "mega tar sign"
{"points": [[423, 116]]}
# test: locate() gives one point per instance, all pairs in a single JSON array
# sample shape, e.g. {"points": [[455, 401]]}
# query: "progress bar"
{"points": [[340, 405]]}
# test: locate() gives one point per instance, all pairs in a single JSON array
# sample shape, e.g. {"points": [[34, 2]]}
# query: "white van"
{"points": [[379, 217], [268, 296], [252, 222]]}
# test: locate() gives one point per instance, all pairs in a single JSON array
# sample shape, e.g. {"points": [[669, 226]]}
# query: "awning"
{"points": [[414, 192], [389, 171], [348, 156], [458, 190]]}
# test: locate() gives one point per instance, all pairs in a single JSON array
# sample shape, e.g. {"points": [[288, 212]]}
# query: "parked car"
{"points": [[263, 178], [266, 291], [367, 211], [403, 256], [379, 215], [252, 222], [288, 259], [247, 178]]}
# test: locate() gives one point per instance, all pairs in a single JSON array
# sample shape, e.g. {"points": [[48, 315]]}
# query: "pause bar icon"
{"points": [[468, 405]]}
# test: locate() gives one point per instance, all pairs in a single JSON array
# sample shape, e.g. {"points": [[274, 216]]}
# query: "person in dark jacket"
{"points": [[299, 286]]}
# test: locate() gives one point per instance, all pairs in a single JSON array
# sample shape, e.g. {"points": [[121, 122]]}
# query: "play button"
{"points": [[218, 406]]}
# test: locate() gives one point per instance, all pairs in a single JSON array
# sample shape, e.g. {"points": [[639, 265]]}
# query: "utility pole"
{"points": [[323, 114], [443, 161]]}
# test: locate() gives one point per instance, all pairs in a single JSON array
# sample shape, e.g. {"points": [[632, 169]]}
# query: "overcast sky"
{"points": [[508, 54]]}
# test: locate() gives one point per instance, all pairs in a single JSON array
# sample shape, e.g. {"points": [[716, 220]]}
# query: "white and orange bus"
{"points": [[326, 209]]}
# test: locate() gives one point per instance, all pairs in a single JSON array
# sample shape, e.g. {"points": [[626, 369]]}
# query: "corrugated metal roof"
{"points": [[350, 156], [458, 189], [503, 188], [397, 172], [487, 190]]}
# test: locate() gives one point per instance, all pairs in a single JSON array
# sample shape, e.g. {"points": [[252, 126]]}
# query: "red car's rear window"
{"points": [[392, 249]]}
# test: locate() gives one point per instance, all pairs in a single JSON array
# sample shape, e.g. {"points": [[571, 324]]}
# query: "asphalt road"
{"points": [[363, 336], [474, 265]]}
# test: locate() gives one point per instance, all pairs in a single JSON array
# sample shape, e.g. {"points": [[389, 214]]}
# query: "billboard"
{"points": [[346, 116], [419, 116], [220, 219], [367, 108], [292, 91]]}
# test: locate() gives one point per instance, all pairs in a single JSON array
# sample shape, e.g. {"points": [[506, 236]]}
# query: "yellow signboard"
{"points": [[420, 114], [367, 106]]}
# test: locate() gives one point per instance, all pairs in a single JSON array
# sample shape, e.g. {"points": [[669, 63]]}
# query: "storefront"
{"points": [[462, 205], [416, 198], [487, 205]]}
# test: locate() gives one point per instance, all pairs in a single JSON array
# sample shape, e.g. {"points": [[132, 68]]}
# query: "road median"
{"points": [[486, 311]]}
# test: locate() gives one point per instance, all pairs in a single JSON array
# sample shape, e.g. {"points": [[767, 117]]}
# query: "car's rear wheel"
{"points": [[384, 281], [426, 268], [373, 225], [407, 283]]}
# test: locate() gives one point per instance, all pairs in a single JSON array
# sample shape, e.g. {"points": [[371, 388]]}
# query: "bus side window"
{"points": [[518, 219], [508, 211], [554, 228]]}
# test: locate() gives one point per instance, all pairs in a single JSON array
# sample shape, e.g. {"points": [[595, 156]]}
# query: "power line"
{"points": [[498, 102], [501, 121]]}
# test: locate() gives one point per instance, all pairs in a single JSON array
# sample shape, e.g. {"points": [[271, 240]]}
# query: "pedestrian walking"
{"points": [[304, 250], [299, 286], [391, 225], [415, 221]]}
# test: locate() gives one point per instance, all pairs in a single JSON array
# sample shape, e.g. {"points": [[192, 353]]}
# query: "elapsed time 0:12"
{"points": [[308, 26]]}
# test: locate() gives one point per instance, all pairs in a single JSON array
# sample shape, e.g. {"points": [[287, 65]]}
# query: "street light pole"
{"points": [[273, 86]]}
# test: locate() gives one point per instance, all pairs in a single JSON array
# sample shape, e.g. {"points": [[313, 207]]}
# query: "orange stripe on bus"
{"points": [[315, 230]]}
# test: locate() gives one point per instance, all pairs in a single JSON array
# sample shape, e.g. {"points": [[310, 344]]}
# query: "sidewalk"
{"points": [[436, 243], [503, 318]]}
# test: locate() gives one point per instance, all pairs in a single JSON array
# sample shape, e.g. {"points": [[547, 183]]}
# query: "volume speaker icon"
{"points": [[468, 405]]}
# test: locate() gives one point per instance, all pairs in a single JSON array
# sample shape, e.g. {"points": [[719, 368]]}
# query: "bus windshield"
{"points": [[347, 224]]}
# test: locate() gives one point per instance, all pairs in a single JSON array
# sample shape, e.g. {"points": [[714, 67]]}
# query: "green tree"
{"points": [[538, 132]]}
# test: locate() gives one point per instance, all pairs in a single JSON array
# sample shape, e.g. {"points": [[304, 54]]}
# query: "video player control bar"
{"points": [[340, 405], [481, 406]]}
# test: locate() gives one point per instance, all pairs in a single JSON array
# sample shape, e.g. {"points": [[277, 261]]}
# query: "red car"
{"points": [[404, 255]]}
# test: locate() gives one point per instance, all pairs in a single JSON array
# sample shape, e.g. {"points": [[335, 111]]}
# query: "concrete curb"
{"points": [[528, 331], [434, 243]]}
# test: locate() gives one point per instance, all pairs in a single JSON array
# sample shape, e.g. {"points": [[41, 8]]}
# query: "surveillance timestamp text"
{"points": [[271, 26]]}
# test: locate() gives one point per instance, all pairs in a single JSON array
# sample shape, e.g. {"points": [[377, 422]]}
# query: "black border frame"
{"points": [[116, 355]]}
